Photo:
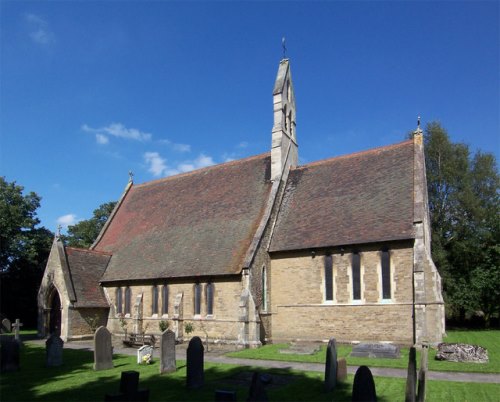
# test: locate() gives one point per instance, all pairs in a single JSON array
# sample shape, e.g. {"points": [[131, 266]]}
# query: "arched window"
{"points": [[328, 278], [197, 299], [386, 274], [209, 289], [128, 297], [119, 301], [264, 288], [164, 300], [356, 276], [154, 300]]}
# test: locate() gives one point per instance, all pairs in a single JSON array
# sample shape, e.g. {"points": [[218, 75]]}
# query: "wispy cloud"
{"points": [[242, 144], [158, 165], [67, 220], [176, 147], [116, 130], [40, 31]]}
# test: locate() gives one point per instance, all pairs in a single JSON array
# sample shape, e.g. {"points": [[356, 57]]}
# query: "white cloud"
{"points": [[40, 32], [101, 139], [242, 144], [117, 130], [156, 163], [176, 147], [67, 220], [158, 166]]}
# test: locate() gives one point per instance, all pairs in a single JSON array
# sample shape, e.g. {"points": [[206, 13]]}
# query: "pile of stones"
{"points": [[461, 352]]}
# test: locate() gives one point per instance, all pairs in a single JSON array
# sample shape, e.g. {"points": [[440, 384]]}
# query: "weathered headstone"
{"points": [[363, 387], [195, 375], [225, 396], [54, 351], [376, 350], [129, 389], [341, 370], [461, 352], [167, 352], [6, 326], [422, 373], [17, 327], [103, 349], [143, 353], [257, 391], [9, 359], [411, 377], [331, 365]]}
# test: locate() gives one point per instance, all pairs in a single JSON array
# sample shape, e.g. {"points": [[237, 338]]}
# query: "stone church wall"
{"points": [[298, 297], [80, 321]]}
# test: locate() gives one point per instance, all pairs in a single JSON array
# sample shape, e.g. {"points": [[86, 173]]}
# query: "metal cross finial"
{"points": [[418, 123], [130, 176], [59, 227], [283, 44]]}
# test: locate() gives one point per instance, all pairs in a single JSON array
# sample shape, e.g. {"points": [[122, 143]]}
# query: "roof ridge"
{"points": [[367, 151], [85, 250], [201, 170]]}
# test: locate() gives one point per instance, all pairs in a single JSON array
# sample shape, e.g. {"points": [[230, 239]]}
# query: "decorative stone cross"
{"points": [[17, 326]]}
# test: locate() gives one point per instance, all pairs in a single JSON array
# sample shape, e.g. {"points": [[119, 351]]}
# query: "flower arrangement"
{"points": [[146, 359]]}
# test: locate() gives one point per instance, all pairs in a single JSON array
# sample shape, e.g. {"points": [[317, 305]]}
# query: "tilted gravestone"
{"points": [[129, 389], [103, 349], [257, 391], [54, 351], [9, 359], [376, 350], [6, 326], [411, 378], [195, 376], [331, 365], [341, 370], [167, 352], [422, 375], [145, 353], [363, 387], [17, 328]]}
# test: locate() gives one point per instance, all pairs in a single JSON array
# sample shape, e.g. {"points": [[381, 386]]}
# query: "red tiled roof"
{"points": [[195, 224], [86, 268], [358, 198]]}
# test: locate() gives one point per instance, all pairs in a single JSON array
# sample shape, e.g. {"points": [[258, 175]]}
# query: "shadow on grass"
{"points": [[77, 381]]}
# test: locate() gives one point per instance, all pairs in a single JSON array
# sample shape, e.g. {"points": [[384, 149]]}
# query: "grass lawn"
{"points": [[77, 381], [487, 339]]}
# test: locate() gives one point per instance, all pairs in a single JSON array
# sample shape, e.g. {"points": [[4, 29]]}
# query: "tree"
{"points": [[84, 233], [24, 249], [464, 206]]}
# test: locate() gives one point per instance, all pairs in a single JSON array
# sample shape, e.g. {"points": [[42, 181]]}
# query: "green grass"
{"points": [[487, 339], [77, 381]]}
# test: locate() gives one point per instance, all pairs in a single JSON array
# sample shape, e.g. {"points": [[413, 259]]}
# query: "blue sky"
{"points": [[91, 90]]}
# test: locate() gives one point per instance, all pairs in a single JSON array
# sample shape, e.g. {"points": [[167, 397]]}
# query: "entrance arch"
{"points": [[55, 313]]}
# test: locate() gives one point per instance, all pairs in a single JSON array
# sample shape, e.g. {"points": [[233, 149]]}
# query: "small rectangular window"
{"points": [[119, 303], [210, 298], [328, 278], [197, 299], [386, 274], [164, 300], [128, 297], [356, 277], [155, 300]]}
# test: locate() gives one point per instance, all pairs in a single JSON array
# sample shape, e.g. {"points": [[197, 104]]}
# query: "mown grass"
{"points": [[487, 339], [77, 381]]}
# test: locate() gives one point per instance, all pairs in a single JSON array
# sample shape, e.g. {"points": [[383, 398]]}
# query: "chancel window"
{"points": [[197, 299], [210, 298], [386, 274], [155, 300], [128, 297], [119, 301], [356, 276], [264, 289], [164, 299], [328, 278]]}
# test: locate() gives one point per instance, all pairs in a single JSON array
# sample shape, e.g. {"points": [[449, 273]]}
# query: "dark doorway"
{"points": [[55, 314]]}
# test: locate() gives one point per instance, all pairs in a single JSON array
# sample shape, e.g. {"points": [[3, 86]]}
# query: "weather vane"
{"points": [[418, 123], [59, 227], [130, 176], [283, 44]]}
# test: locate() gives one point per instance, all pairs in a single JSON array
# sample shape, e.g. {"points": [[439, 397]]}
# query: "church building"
{"points": [[261, 250]]}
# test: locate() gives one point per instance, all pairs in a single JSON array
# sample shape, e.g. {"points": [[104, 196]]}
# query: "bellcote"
{"points": [[284, 149]]}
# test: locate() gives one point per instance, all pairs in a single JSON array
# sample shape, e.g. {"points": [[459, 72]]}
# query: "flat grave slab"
{"points": [[376, 350], [301, 348]]}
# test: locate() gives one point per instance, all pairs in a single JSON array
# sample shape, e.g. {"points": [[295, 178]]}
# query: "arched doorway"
{"points": [[55, 313]]}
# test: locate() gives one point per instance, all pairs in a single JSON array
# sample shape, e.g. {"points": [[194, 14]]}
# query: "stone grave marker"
{"points": [[103, 350], [411, 377], [9, 359], [54, 351], [6, 326], [461, 352], [331, 365], [129, 389], [376, 350], [422, 374], [341, 370], [17, 327], [194, 361], [143, 352], [257, 391], [225, 396], [363, 387], [167, 352]]}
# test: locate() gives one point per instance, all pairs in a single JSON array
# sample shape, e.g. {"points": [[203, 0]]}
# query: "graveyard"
{"points": [[73, 375]]}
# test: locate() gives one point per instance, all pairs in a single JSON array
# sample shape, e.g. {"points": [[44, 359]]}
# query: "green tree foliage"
{"points": [[85, 232], [465, 209], [24, 248]]}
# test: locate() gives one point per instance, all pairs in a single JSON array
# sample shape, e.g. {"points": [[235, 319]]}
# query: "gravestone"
{"points": [[257, 391], [341, 370], [17, 327], [103, 350], [194, 361], [411, 377], [9, 355], [54, 351], [376, 350], [6, 326], [461, 352], [331, 365], [143, 352], [363, 387], [422, 375], [225, 396], [167, 352], [129, 389]]}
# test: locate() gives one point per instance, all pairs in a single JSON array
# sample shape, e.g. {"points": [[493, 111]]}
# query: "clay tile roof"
{"points": [[194, 224], [358, 198], [86, 268]]}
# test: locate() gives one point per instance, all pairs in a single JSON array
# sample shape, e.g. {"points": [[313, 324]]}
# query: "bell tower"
{"points": [[284, 148]]}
